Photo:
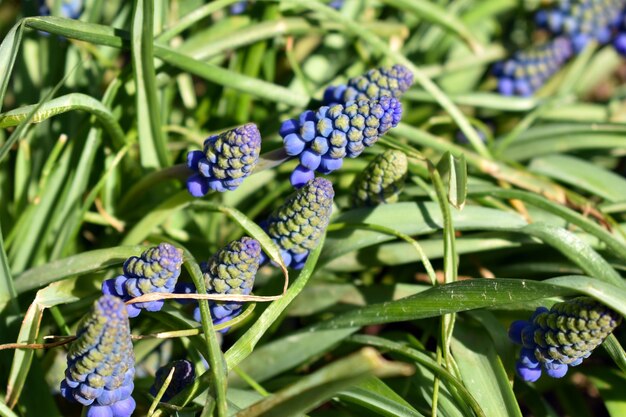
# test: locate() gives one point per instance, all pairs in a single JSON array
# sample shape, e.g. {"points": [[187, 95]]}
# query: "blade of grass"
{"points": [[117, 38], [216, 361], [152, 144], [313, 389], [63, 104], [438, 15], [8, 53]]}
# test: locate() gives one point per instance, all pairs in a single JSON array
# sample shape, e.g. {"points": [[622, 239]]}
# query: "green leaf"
{"points": [[8, 293], [563, 212], [576, 250], [108, 36], [453, 171], [410, 219], [286, 353], [80, 264], [449, 298], [482, 371], [63, 104], [8, 53], [463, 395], [581, 174], [152, 144], [440, 16], [311, 390], [376, 396]]}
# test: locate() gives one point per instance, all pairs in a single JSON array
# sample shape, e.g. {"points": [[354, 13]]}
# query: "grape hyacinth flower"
{"points": [[528, 70], [227, 159], [298, 225], [230, 271], [184, 374], [376, 83], [155, 271], [562, 336], [382, 180], [322, 139], [582, 20], [101, 361]]}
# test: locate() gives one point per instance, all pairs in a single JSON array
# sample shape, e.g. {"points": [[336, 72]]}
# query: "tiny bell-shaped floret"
{"points": [[382, 180], [379, 82], [298, 225], [155, 271], [562, 336], [184, 374], [101, 361], [323, 138], [227, 159]]}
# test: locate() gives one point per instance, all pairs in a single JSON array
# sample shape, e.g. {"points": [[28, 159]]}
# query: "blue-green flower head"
{"points": [[156, 270], [562, 336], [101, 361], [322, 139], [528, 70], [298, 225], [382, 181], [379, 82], [231, 270], [227, 159], [184, 375]]}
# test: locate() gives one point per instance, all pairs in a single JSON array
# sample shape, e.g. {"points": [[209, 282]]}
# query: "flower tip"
{"points": [[556, 370], [123, 408], [528, 374], [197, 186], [300, 176]]}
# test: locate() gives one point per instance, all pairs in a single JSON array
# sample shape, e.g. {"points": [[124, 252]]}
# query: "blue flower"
{"points": [[156, 271], [562, 336], [184, 374], [382, 181], [581, 21], [322, 139], [376, 83], [101, 361], [298, 225], [227, 159], [528, 70]]}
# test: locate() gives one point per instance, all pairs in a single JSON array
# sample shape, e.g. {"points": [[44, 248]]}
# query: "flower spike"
{"points": [[227, 159], [230, 271], [562, 336], [101, 361], [156, 270], [379, 82], [322, 139], [382, 180], [297, 226], [528, 70], [581, 21]]}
